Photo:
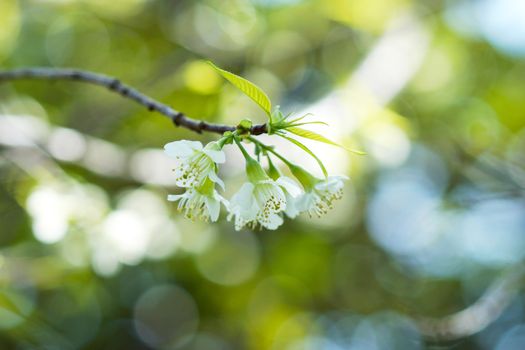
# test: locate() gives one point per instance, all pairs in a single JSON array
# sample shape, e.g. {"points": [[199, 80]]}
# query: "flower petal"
{"points": [[289, 185], [217, 156], [244, 196], [332, 183], [182, 148], [222, 200], [304, 202], [215, 178], [214, 208], [274, 222], [291, 207], [243, 203], [175, 197]]}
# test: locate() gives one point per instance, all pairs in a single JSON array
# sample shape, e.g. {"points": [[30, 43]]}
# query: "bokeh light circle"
{"points": [[166, 316], [232, 259]]}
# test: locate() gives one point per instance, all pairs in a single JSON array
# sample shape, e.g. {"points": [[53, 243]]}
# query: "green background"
{"points": [[424, 251]]}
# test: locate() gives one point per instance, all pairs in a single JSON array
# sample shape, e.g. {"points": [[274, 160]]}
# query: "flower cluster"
{"points": [[262, 201], [267, 196], [196, 171]]}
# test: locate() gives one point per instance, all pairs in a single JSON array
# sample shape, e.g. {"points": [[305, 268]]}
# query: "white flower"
{"points": [[195, 204], [319, 198], [196, 163], [258, 203]]}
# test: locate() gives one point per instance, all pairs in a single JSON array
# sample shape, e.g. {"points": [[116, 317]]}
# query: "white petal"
{"points": [[304, 202], [274, 222], [221, 199], [217, 156], [332, 183], [243, 203], [239, 223], [214, 208], [289, 185], [249, 213], [182, 148], [244, 196], [215, 178], [291, 207], [195, 145], [337, 179], [174, 197]]}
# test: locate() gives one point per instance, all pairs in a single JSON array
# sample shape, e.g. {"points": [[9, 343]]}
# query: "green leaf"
{"points": [[300, 118], [316, 137], [307, 123], [250, 89], [307, 150]]}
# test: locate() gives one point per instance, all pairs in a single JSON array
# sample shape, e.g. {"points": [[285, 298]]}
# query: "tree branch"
{"points": [[126, 91]]}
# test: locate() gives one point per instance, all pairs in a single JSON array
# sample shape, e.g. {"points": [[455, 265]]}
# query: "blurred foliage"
{"points": [[92, 256]]}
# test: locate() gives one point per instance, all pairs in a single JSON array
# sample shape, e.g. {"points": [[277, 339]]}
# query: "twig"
{"points": [[113, 84]]}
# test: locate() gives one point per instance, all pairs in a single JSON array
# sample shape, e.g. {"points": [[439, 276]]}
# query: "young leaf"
{"points": [[307, 150], [250, 89], [316, 137], [307, 123], [300, 118]]}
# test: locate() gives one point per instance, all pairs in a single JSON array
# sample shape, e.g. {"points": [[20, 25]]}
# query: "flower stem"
{"points": [[273, 172], [241, 147], [304, 177], [226, 138], [254, 170], [272, 151]]}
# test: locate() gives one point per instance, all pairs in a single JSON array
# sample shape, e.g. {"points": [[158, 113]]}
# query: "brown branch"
{"points": [[113, 84]]}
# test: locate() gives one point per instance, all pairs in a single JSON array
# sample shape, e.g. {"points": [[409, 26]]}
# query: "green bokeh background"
{"points": [[432, 222]]}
